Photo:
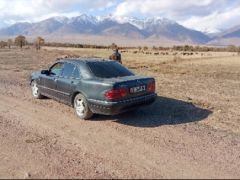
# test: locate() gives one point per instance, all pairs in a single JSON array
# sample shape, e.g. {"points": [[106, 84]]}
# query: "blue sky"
{"points": [[204, 15]]}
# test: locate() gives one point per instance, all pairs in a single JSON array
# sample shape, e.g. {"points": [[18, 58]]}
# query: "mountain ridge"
{"points": [[128, 27], [107, 25]]}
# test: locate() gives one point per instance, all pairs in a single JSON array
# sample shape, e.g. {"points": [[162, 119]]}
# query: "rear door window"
{"points": [[108, 69], [68, 70]]}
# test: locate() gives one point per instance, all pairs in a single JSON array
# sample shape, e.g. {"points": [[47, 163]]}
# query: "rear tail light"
{"points": [[151, 87], [114, 94]]}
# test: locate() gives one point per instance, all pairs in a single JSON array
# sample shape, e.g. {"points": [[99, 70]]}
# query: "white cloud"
{"points": [[168, 7], [32, 10], [214, 22]]}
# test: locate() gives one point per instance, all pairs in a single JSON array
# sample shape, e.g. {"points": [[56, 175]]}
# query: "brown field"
{"points": [[191, 131]]}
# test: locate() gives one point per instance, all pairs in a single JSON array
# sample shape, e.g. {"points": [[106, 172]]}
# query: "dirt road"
{"points": [[185, 134]]}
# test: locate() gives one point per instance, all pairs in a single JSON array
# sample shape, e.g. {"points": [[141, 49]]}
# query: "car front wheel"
{"points": [[35, 91], [81, 107]]}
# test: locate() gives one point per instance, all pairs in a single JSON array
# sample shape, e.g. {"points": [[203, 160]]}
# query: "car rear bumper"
{"points": [[113, 108]]}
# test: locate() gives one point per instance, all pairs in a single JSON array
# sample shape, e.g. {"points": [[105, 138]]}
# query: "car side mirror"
{"points": [[46, 72]]}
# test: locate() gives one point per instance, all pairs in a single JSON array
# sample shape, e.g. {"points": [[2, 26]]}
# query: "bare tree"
{"points": [[3, 44], [39, 42], [9, 43], [20, 41]]}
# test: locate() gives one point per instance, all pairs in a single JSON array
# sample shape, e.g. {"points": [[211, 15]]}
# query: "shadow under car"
{"points": [[164, 111]]}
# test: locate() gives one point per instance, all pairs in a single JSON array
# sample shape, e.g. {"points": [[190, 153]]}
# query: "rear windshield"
{"points": [[108, 69]]}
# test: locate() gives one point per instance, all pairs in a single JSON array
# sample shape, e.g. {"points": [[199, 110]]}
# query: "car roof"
{"points": [[79, 61]]}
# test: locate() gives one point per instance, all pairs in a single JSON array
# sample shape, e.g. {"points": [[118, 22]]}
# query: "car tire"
{"points": [[81, 107], [35, 91]]}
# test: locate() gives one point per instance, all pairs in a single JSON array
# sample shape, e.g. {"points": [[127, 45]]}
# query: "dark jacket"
{"points": [[116, 56]]}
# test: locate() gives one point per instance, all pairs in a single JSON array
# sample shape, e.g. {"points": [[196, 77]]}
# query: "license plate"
{"points": [[138, 89]]}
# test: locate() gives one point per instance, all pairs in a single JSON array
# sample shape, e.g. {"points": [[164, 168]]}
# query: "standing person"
{"points": [[116, 56]]}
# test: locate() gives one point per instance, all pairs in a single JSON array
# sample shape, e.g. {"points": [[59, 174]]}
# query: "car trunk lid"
{"points": [[135, 85]]}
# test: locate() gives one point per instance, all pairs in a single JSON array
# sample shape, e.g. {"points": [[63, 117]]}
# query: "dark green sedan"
{"points": [[93, 86]]}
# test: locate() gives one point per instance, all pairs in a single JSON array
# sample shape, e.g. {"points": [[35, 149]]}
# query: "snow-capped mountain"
{"points": [[130, 27], [230, 36]]}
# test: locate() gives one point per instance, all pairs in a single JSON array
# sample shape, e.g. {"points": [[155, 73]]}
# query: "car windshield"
{"points": [[108, 69]]}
